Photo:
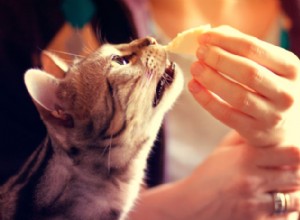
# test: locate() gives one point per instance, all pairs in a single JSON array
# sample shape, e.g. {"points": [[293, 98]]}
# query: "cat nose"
{"points": [[148, 41]]}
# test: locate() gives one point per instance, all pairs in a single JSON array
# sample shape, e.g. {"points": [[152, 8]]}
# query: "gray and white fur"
{"points": [[102, 115]]}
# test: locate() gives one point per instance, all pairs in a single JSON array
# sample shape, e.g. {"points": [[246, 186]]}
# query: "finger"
{"points": [[294, 201], [290, 203], [277, 157], [281, 179], [292, 216], [248, 73], [272, 57], [265, 205], [236, 95], [219, 109], [246, 125]]}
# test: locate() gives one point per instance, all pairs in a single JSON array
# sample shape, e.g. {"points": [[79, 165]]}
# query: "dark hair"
{"points": [[115, 20], [26, 28], [292, 9]]}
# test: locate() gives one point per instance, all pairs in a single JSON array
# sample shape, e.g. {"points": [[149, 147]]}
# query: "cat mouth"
{"points": [[166, 80]]}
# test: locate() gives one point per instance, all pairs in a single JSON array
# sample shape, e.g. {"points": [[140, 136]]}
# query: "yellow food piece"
{"points": [[186, 41]]}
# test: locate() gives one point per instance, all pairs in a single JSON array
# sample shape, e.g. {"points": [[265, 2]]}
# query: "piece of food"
{"points": [[186, 41]]}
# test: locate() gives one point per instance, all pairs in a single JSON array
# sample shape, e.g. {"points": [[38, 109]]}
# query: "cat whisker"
{"points": [[149, 77], [90, 47], [105, 150], [149, 80], [144, 83], [157, 78], [168, 79], [112, 130], [87, 50], [66, 53]]}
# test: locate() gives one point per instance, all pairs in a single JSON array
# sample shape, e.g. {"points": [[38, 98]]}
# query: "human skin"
{"points": [[233, 183], [260, 101], [249, 85]]}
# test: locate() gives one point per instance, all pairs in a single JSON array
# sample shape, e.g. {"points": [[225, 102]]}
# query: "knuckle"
{"points": [[218, 60], [254, 76], [275, 118], [215, 57], [242, 101], [252, 49]]}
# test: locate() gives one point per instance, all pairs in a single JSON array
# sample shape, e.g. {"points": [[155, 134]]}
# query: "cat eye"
{"points": [[121, 60]]}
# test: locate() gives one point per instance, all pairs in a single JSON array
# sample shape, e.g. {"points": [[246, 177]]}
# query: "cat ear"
{"points": [[42, 88], [53, 64]]}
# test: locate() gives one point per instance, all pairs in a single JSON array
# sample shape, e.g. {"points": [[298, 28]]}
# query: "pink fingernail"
{"points": [[194, 87]]}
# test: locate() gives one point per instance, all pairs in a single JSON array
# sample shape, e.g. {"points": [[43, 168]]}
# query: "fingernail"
{"points": [[201, 51], [194, 87]]}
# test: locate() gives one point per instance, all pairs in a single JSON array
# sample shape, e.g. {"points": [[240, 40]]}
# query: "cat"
{"points": [[102, 114]]}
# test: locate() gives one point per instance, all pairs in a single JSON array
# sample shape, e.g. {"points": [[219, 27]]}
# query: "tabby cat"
{"points": [[102, 115]]}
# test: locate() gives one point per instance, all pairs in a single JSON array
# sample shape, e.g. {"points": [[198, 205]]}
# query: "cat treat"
{"points": [[186, 41]]}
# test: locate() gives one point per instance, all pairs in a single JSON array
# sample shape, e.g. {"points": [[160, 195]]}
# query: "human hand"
{"points": [[235, 182], [258, 92]]}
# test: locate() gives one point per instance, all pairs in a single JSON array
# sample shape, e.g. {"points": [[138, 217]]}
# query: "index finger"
{"points": [[278, 156], [278, 60]]}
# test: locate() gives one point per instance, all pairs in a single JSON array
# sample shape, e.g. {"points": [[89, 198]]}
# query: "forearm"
{"points": [[158, 203], [171, 201]]}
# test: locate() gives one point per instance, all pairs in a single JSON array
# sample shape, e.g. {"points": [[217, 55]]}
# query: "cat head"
{"points": [[118, 86]]}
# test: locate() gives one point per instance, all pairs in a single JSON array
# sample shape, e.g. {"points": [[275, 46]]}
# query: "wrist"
{"points": [[167, 201], [201, 197]]}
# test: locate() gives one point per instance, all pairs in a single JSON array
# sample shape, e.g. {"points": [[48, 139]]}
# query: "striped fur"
{"points": [[101, 125]]}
